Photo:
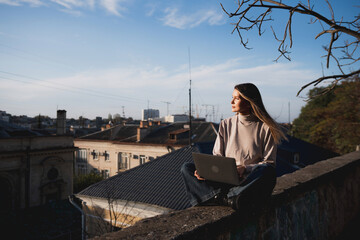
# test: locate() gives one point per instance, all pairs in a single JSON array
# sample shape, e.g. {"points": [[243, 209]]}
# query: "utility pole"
{"points": [[190, 130], [289, 112], [167, 107], [190, 134], [123, 111]]}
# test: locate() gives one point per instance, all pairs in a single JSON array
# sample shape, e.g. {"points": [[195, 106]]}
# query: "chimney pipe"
{"points": [[61, 122]]}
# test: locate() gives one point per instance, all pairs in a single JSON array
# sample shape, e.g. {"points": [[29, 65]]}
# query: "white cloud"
{"points": [[20, 2], [173, 19], [94, 90], [113, 6], [75, 7], [150, 9]]}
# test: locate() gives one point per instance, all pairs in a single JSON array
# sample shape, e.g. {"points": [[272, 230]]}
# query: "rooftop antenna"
{"points": [[289, 111], [190, 133], [123, 111], [167, 107]]}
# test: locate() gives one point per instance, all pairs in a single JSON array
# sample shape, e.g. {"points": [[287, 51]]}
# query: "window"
{"points": [[142, 159], [151, 158], [107, 156], [105, 173], [95, 155], [81, 169], [122, 161], [81, 155], [296, 159]]}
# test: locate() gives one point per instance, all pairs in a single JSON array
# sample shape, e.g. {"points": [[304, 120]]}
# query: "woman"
{"points": [[251, 137]]}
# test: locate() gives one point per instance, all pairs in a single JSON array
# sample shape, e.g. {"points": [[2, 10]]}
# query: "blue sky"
{"points": [[95, 57]]}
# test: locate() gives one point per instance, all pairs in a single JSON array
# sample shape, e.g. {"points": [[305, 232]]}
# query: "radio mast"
{"points": [[190, 133]]}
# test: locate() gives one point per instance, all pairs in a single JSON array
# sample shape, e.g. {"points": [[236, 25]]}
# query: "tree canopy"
{"points": [[332, 121]]}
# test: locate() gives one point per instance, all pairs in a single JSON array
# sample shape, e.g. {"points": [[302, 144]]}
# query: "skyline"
{"points": [[92, 58]]}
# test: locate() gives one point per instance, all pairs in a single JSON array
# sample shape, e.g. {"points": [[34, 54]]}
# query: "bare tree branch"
{"points": [[344, 54], [336, 78]]}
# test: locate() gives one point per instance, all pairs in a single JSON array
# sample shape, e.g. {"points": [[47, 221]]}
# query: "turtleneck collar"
{"points": [[246, 119]]}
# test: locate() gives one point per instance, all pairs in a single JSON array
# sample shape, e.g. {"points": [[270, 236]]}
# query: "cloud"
{"points": [[113, 6], [100, 90], [150, 9], [33, 3], [173, 19], [75, 7]]}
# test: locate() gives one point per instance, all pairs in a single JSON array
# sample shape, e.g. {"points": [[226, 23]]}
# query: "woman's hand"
{"points": [[198, 176], [241, 170]]}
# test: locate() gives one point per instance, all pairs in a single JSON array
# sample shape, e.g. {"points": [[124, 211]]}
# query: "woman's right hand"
{"points": [[198, 176]]}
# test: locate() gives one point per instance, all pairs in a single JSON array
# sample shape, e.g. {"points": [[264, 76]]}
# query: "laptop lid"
{"points": [[216, 168]]}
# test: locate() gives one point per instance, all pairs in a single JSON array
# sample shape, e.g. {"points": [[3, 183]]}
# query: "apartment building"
{"points": [[123, 147]]}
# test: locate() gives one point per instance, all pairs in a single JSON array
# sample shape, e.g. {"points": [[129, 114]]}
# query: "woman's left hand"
{"points": [[241, 170]]}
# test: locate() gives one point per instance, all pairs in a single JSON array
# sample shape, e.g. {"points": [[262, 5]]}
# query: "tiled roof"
{"points": [[308, 152], [158, 182], [118, 132], [201, 132], [9, 130]]}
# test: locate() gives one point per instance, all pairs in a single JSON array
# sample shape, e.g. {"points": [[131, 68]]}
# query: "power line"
{"points": [[69, 88]]}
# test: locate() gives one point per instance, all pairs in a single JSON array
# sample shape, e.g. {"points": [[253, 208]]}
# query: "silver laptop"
{"points": [[217, 168]]}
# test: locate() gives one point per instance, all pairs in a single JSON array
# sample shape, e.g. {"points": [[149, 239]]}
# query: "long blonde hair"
{"points": [[252, 94]]}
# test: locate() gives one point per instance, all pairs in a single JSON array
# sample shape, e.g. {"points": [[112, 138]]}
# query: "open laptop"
{"points": [[217, 168]]}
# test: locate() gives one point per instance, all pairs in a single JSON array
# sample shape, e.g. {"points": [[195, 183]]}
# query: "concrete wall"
{"points": [[316, 202]]}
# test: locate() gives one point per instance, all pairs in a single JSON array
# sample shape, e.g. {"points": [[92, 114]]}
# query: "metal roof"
{"points": [[158, 182]]}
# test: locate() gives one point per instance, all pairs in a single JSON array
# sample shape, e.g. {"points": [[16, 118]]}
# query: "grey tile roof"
{"points": [[158, 182], [118, 132], [9, 130], [201, 132]]}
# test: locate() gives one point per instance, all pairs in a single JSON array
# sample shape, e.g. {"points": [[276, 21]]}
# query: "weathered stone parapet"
{"points": [[315, 202]]}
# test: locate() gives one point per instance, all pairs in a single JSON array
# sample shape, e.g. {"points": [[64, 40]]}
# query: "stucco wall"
{"points": [[316, 202], [113, 149]]}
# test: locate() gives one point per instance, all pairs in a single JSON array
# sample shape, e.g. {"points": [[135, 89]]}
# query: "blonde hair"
{"points": [[252, 94]]}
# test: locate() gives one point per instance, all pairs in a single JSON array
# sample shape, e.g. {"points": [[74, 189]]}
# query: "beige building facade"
{"points": [[111, 157]]}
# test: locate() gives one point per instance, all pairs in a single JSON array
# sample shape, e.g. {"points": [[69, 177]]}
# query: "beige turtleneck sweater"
{"points": [[247, 139]]}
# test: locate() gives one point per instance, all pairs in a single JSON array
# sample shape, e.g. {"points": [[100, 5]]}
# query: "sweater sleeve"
{"points": [[268, 152], [219, 148]]}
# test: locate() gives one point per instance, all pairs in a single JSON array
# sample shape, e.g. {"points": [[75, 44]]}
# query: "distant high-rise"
{"points": [[150, 114], [99, 122]]}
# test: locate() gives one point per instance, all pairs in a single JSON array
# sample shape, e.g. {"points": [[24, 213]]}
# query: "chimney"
{"points": [[141, 133], [61, 122], [144, 124]]}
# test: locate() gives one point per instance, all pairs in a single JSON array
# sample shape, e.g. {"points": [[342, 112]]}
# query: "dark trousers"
{"points": [[255, 188]]}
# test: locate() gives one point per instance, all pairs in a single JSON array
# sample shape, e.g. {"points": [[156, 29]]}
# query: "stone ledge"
{"points": [[315, 174], [213, 222], [173, 224]]}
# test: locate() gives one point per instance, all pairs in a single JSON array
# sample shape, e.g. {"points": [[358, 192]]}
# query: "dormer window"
{"points": [[178, 134]]}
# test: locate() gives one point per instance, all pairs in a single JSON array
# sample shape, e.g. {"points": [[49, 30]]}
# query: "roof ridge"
{"points": [[106, 130]]}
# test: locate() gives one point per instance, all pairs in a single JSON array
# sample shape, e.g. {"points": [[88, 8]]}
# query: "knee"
{"points": [[187, 168], [266, 169], [270, 170]]}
